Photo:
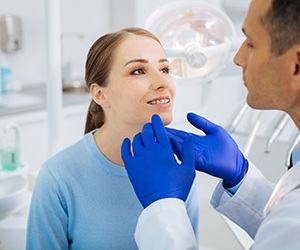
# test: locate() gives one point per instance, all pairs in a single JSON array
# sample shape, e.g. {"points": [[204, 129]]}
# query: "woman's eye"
{"points": [[138, 71]]}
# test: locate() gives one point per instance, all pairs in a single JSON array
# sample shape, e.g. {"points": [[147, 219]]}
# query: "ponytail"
{"points": [[94, 118]]}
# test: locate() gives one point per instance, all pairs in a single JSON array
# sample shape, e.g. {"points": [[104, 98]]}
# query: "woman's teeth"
{"points": [[162, 101]]}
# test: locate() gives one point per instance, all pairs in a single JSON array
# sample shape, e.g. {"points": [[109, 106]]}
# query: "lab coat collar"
{"points": [[288, 182]]}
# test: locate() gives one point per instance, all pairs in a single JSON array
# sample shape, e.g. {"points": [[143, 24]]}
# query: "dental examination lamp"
{"points": [[197, 37]]}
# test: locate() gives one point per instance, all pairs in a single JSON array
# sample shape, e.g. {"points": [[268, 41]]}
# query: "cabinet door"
{"points": [[35, 134]]}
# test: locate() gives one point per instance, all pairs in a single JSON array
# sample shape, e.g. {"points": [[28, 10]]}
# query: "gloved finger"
{"points": [[188, 155], [137, 144], [160, 131], [176, 147], [179, 135], [148, 136], [203, 124], [125, 151]]}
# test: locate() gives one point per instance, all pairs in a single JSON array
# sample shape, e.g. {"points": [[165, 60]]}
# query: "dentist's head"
{"points": [[270, 56]]}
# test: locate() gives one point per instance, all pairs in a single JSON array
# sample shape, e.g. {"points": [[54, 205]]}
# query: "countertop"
{"points": [[33, 98]]}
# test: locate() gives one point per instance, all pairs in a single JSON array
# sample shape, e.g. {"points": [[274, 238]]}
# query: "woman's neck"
{"points": [[109, 140]]}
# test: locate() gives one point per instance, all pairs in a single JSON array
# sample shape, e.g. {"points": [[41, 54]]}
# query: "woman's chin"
{"points": [[166, 119]]}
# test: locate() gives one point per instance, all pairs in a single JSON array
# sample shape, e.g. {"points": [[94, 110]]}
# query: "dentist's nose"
{"points": [[240, 57]]}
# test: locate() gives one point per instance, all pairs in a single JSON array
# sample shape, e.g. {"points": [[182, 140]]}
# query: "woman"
{"points": [[83, 198]]}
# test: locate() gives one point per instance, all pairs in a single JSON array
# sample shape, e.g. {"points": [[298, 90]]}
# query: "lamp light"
{"points": [[196, 36]]}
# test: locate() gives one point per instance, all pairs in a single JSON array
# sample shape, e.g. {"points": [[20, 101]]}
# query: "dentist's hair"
{"points": [[99, 62], [282, 21]]}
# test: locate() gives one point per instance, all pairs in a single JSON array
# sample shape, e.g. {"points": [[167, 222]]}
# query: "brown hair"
{"points": [[98, 65], [282, 22]]}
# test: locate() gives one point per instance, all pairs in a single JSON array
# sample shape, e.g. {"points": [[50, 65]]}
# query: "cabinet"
{"points": [[35, 136]]}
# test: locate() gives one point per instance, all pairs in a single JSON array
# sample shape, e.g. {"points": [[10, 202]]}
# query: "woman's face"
{"points": [[139, 84]]}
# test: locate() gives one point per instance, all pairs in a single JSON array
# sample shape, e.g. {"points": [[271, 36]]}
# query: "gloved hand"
{"points": [[153, 169], [216, 153]]}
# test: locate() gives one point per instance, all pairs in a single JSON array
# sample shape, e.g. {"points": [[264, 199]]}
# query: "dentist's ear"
{"points": [[99, 95], [297, 66]]}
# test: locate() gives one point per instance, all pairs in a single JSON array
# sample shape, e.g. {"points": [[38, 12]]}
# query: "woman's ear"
{"points": [[99, 95]]}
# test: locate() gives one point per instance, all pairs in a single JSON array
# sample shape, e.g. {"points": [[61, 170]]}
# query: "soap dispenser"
{"points": [[10, 33]]}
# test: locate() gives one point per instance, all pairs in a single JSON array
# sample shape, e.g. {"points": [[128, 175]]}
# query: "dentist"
{"points": [[270, 59]]}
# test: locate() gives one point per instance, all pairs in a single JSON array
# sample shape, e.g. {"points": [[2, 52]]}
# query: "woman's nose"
{"points": [[160, 81]]}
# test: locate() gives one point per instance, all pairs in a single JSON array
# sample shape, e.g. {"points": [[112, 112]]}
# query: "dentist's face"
{"points": [[139, 83], [266, 76]]}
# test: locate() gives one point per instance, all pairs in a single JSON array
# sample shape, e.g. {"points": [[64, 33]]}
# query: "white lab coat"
{"points": [[271, 217]]}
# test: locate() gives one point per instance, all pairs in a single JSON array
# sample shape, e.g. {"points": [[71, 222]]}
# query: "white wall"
{"points": [[90, 18], [28, 65]]}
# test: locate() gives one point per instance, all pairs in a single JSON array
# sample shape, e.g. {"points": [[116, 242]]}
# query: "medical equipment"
{"points": [[252, 135], [253, 132], [197, 38], [277, 131], [237, 119]]}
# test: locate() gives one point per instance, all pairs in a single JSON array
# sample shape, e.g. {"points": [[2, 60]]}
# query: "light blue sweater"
{"points": [[83, 201]]}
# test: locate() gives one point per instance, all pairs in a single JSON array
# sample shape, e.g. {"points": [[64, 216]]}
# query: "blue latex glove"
{"points": [[153, 169], [216, 153]]}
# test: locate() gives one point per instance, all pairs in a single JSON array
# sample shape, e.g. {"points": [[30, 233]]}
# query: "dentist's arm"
{"points": [[216, 153], [162, 185], [165, 225]]}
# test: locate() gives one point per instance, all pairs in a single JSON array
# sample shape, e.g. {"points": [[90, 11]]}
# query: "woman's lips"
{"points": [[161, 100]]}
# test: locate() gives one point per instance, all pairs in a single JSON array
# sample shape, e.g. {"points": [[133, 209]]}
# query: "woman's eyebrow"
{"points": [[144, 61], [136, 60]]}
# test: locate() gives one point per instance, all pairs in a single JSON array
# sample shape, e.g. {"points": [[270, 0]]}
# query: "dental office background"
{"points": [[25, 130]]}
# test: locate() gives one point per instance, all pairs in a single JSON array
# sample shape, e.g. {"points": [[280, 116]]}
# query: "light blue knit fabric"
{"points": [[83, 201]]}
